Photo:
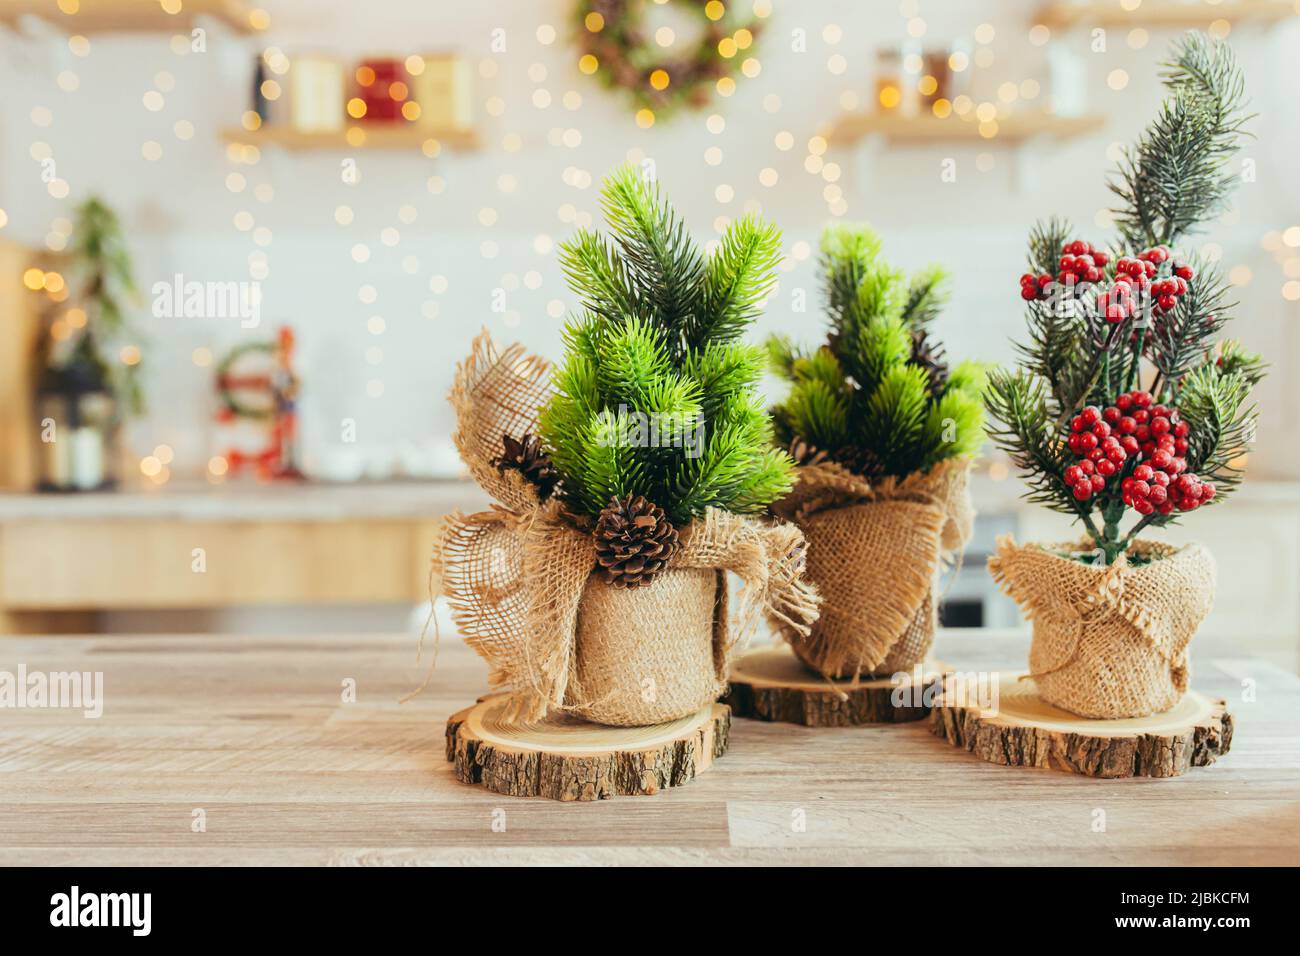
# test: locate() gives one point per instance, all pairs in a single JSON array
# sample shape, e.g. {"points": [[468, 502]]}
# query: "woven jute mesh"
{"points": [[1109, 641], [646, 655], [519, 579], [875, 552]]}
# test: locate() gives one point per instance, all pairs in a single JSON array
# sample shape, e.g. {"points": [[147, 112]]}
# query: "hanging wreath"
{"points": [[253, 380], [616, 47]]}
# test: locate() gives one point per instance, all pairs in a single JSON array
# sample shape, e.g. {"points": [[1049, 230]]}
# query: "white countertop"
{"points": [[323, 501], [245, 501]]}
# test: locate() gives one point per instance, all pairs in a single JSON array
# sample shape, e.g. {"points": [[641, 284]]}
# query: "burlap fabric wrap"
{"points": [[874, 554], [1109, 641], [520, 583]]}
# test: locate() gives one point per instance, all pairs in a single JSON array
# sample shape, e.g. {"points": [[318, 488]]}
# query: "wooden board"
{"points": [[1022, 730], [772, 684], [251, 729], [564, 758]]}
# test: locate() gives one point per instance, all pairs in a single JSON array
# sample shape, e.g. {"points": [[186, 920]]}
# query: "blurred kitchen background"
{"points": [[374, 183]]}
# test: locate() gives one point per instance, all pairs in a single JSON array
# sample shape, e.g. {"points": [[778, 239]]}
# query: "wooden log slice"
{"points": [[1022, 730], [564, 758], [772, 684]]}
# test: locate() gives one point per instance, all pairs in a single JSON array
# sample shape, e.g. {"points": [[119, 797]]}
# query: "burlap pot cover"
{"points": [[650, 655], [520, 585], [1108, 642], [874, 554]]}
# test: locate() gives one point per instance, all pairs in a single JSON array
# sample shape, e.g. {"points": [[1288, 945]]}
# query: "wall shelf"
{"points": [[1162, 13], [920, 130], [134, 16], [395, 137]]}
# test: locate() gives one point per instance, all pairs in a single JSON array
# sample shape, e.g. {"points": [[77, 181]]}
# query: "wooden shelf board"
{"points": [[1163, 13], [929, 129], [129, 16], [377, 137]]}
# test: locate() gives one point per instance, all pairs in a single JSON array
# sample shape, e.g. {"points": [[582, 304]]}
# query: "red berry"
{"points": [[1207, 491], [1123, 402], [1100, 258], [1096, 454], [1142, 506], [1184, 271], [1044, 280], [1073, 474], [1098, 483], [1087, 467], [1165, 507], [1158, 495], [1166, 302], [1180, 446], [1087, 441], [1108, 466], [1181, 429], [1083, 490], [1160, 478], [1142, 473], [1141, 416], [1101, 430], [1130, 445], [1028, 293], [1117, 456], [1127, 425], [1160, 426], [1091, 414], [1110, 414], [1162, 459]]}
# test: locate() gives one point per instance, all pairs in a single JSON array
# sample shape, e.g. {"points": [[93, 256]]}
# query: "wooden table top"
{"points": [[254, 733]]}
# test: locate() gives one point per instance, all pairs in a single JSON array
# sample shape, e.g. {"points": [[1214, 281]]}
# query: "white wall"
{"points": [[180, 213]]}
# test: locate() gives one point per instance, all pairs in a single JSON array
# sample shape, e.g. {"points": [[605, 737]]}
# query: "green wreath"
{"points": [[614, 46], [226, 393]]}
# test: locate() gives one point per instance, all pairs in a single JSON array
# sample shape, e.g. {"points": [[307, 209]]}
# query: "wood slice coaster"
{"points": [[772, 684], [1026, 731], [565, 758]]}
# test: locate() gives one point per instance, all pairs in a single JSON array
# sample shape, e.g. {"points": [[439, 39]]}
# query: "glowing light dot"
{"points": [[1117, 79], [726, 86], [588, 64], [659, 79], [546, 34], [665, 36], [714, 10], [1039, 34], [375, 325], [837, 64], [832, 34], [645, 118], [343, 215], [724, 193], [130, 355], [984, 33], [594, 22], [768, 176], [715, 123], [817, 145], [151, 150], [713, 156], [390, 237], [360, 252]]}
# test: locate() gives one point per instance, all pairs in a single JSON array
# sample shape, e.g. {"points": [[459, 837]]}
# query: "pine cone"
{"points": [[806, 454], [526, 457], [930, 356], [634, 540]]}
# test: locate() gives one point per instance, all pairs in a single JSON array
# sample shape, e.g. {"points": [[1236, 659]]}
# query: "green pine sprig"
{"points": [[656, 396], [863, 398]]}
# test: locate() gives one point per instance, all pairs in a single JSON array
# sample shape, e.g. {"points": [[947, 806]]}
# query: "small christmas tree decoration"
{"points": [[630, 481], [884, 431], [1127, 414]]}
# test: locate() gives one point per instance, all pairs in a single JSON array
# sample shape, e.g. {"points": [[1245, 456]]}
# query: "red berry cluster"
{"points": [[1154, 437], [1136, 279], [1080, 262]]}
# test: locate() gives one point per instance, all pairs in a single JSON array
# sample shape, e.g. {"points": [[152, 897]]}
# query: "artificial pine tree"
{"points": [[656, 397], [878, 397], [1124, 400], [100, 263]]}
